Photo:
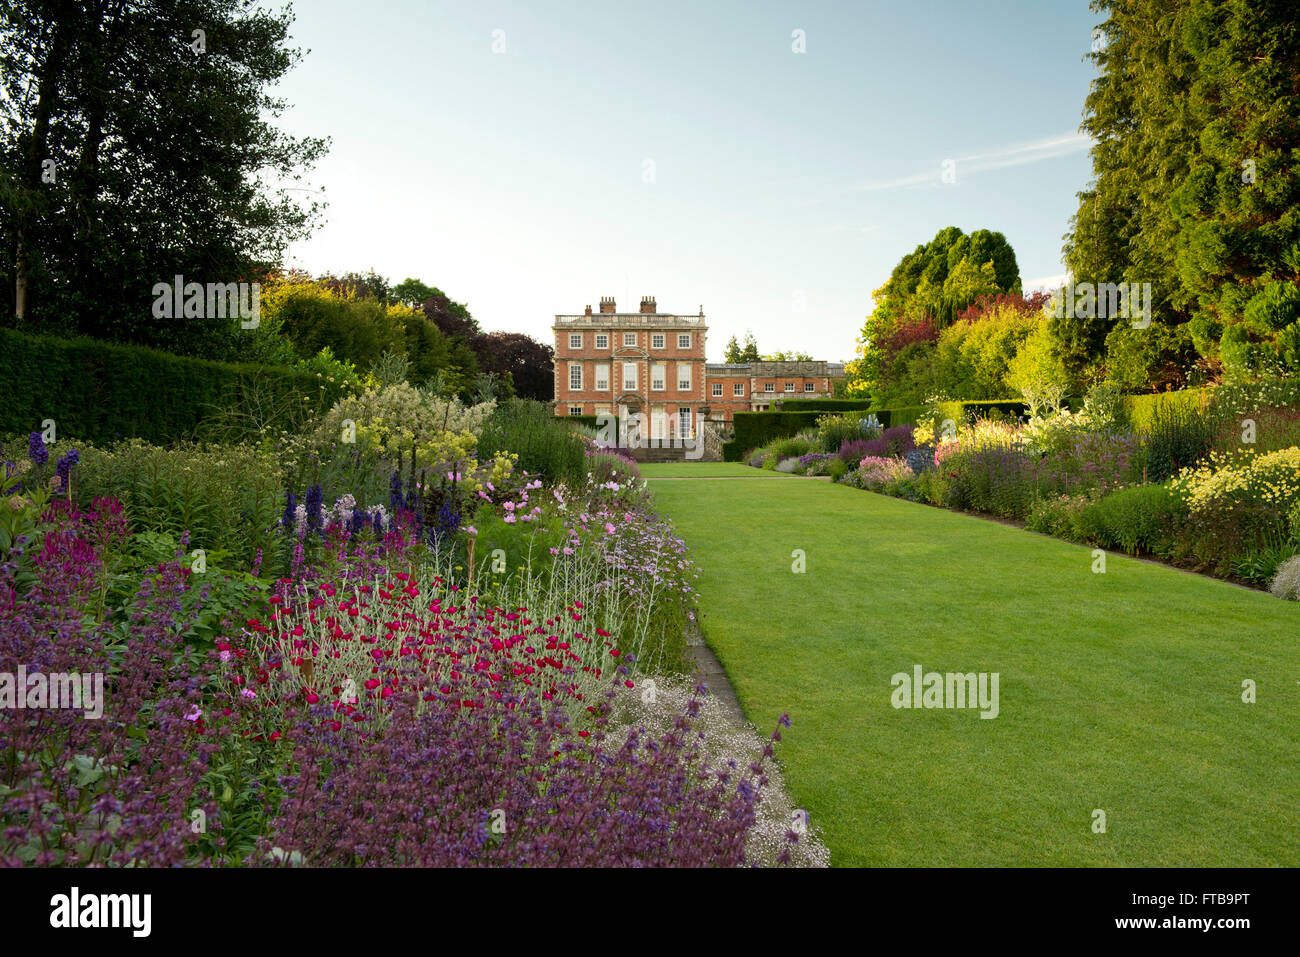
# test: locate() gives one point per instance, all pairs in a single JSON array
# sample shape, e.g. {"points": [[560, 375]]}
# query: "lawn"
{"points": [[707, 470], [1119, 691]]}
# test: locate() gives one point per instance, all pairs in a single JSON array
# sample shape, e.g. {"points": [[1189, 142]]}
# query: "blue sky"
{"points": [[783, 186]]}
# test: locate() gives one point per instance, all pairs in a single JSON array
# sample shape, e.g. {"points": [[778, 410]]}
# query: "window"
{"points": [[684, 340], [738, 388], [683, 376], [769, 387], [575, 410], [717, 389], [683, 422], [629, 338], [789, 387], [575, 376], [602, 376], [629, 377], [657, 377], [657, 341], [575, 340], [809, 387], [602, 340]]}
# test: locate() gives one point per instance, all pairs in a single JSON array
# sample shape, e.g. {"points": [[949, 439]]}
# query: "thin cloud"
{"points": [[1050, 147]]}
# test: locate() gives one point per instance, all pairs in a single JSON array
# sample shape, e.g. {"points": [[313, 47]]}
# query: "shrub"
{"points": [[544, 447], [788, 466], [834, 430], [816, 463], [227, 497], [610, 466], [1286, 583], [1142, 518], [756, 429], [1175, 436], [875, 471], [837, 468], [118, 790], [891, 443], [1228, 480], [93, 390], [792, 447], [1059, 515], [1105, 409], [1274, 429], [825, 405]]}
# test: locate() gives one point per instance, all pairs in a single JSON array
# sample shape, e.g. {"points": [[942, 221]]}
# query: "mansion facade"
{"points": [[653, 363]]}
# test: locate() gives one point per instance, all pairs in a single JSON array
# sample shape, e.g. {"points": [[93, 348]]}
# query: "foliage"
{"points": [[1195, 187], [543, 446], [143, 191], [1286, 581], [923, 295], [226, 497], [105, 791], [736, 353], [1039, 374], [92, 390], [528, 365], [1174, 437], [834, 430]]}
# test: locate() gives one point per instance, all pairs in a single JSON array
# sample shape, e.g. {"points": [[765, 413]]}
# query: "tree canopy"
{"points": [[136, 144], [1196, 116]]}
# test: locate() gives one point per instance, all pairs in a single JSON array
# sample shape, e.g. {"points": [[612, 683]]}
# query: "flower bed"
{"points": [[426, 680]]}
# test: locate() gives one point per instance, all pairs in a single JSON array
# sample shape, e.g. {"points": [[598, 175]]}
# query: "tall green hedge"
{"points": [[758, 428], [100, 391], [1142, 408], [824, 405], [902, 415]]}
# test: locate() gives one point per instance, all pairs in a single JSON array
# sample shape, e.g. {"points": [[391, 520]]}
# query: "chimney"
{"points": [[647, 304], [588, 310], [607, 304]]}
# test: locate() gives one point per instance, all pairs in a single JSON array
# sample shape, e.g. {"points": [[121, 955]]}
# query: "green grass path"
{"points": [[1119, 691], [654, 470]]}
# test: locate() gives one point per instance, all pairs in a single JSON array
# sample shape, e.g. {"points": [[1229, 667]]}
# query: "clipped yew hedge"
{"points": [[825, 405], [100, 391]]}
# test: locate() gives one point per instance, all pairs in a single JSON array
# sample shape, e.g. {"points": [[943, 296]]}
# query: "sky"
{"points": [[528, 158]]}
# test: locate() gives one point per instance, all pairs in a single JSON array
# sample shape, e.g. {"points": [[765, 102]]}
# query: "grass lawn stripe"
{"points": [[1120, 691]]}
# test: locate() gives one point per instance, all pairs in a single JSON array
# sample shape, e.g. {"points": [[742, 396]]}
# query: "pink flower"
{"points": [[609, 527]]}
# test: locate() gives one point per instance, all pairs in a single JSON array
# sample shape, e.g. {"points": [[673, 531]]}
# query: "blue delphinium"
{"points": [[36, 449], [395, 500], [447, 523], [359, 522], [64, 468], [313, 504], [289, 518]]}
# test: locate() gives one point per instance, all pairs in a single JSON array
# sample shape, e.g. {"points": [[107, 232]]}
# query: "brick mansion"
{"points": [[654, 363]]}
